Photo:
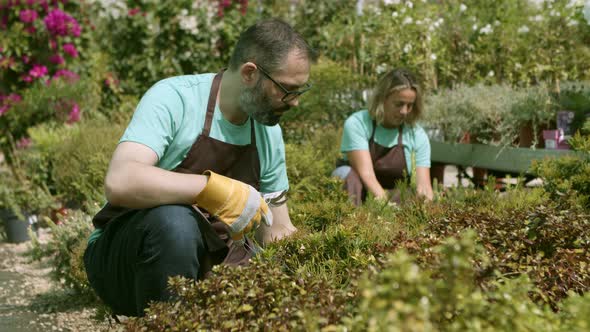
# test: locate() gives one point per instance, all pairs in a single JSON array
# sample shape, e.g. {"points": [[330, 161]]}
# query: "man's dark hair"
{"points": [[267, 43]]}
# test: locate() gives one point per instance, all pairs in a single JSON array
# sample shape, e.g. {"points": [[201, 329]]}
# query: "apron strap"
{"points": [[211, 103]]}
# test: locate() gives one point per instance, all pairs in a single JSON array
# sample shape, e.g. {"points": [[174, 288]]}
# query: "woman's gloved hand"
{"points": [[235, 203]]}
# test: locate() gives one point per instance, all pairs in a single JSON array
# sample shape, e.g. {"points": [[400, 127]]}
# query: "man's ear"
{"points": [[249, 73]]}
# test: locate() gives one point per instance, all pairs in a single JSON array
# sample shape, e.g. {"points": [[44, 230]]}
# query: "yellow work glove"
{"points": [[235, 203]]}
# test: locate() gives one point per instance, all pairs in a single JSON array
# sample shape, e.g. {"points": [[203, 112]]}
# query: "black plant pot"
{"points": [[17, 230]]}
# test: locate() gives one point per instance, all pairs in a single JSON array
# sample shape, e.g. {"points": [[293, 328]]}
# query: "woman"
{"points": [[378, 143]]}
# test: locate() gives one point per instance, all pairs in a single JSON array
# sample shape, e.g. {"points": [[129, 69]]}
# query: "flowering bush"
{"points": [[149, 40], [457, 41], [42, 42]]}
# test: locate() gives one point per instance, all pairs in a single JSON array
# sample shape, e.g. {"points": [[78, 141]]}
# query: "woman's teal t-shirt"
{"points": [[357, 132]]}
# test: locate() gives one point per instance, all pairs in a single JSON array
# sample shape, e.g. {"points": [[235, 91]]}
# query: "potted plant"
{"points": [[20, 203]]}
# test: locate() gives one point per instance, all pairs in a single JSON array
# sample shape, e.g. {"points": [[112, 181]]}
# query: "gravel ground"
{"points": [[31, 301]]}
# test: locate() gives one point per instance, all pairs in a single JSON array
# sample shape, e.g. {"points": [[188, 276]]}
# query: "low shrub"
{"points": [[65, 250], [446, 296], [80, 163], [258, 297]]}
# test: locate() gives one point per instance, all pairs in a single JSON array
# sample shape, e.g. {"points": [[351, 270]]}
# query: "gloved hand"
{"points": [[235, 203]]}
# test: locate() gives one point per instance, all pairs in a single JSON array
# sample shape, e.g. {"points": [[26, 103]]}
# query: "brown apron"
{"points": [[389, 165], [239, 162]]}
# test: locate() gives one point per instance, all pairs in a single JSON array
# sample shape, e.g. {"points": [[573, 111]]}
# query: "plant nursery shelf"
{"points": [[497, 158]]}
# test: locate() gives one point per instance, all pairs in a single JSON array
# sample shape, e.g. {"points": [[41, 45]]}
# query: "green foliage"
{"points": [[404, 296], [65, 251], [453, 42], [489, 114], [175, 37], [336, 255], [21, 196], [335, 94], [575, 96], [41, 103], [568, 176], [258, 297], [80, 162]]}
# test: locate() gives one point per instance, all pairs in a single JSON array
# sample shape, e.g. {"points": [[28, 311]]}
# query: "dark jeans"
{"points": [[129, 264]]}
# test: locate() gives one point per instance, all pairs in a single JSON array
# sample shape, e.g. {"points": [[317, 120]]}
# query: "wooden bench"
{"points": [[498, 160]]}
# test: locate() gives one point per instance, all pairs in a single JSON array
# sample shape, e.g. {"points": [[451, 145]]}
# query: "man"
{"points": [[194, 170]]}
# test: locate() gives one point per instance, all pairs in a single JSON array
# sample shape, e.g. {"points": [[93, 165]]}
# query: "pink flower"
{"points": [[6, 102], [67, 75], [70, 50], [26, 59], [74, 114], [31, 29], [59, 23], [134, 11], [27, 78], [23, 143], [14, 97], [4, 109], [56, 59], [4, 22], [110, 80], [28, 15], [53, 44], [38, 71]]}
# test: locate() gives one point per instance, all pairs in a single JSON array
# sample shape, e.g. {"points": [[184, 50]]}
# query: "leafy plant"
{"points": [[258, 297], [65, 251]]}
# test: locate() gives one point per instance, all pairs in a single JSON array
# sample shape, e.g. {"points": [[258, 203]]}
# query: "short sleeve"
{"points": [[355, 135], [422, 148], [156, 119], [273, 176]]}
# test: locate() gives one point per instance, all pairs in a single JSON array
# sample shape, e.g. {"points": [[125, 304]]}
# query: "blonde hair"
{"points": [[393, 81]]}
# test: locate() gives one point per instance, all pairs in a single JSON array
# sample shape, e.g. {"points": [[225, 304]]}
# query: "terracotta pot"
{"points": [[526, 136]]}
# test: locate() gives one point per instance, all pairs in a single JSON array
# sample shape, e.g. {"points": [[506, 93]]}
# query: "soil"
{"points": [[31, 301]]}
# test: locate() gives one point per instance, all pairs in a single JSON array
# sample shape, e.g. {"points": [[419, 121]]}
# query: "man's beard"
{"points": [[254, 102]]}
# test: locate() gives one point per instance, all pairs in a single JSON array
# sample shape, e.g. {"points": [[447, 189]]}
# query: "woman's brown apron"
{"points": [[239, 162], [389, 165]]}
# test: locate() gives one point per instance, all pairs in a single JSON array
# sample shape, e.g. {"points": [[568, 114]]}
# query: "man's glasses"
{"points": [[289, 95]]}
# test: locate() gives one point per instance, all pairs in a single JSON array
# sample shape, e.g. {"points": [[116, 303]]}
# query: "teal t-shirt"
{"points": [[357, 132], [171, 115]]}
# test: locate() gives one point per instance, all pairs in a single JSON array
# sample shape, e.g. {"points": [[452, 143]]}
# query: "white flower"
{"points": [[497, 23], [474, 27], [517, 65], [381, 68], [537, 18], [486, 30], [523, 29], [407, 20], [572, 23], [409, 4], [491, 73], [462, 8], [433, 56], [391, 2], [407, 48], [189, 23], [394, 14], [418, 22]]}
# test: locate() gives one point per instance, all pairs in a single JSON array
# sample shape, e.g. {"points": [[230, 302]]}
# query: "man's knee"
{"points": [[176, 226]]}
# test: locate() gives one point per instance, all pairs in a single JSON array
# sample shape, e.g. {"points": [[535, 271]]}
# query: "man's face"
{"points": [[265, 101], [257, 103]]}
